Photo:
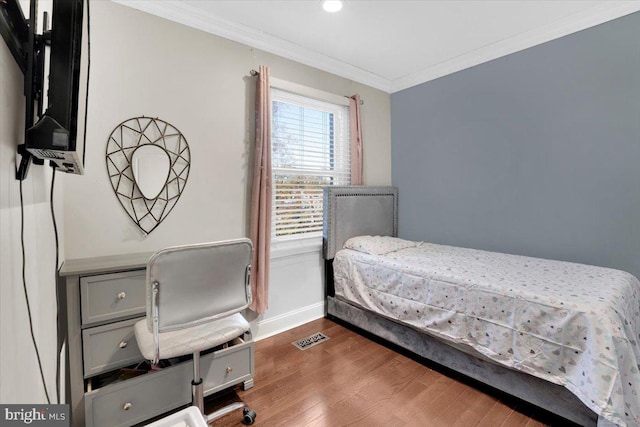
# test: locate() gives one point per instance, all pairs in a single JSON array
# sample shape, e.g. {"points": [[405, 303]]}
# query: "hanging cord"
{"points": [[55, 233], [26, 294], [55, 229]]}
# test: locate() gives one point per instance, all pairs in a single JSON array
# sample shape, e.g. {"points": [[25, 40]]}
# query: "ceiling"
{"points": [[390, 45]]}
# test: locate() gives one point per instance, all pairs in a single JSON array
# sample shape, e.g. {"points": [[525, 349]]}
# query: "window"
{"points": [[310, 149]]}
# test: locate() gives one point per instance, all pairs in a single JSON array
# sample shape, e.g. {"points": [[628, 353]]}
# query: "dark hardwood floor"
{"points": [[352, 380]]}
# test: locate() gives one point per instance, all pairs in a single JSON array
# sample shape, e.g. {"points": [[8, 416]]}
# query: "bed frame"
{"points": [[355, 211]]}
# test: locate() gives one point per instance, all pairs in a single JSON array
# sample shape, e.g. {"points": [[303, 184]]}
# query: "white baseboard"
{"points": [[262, 329]]}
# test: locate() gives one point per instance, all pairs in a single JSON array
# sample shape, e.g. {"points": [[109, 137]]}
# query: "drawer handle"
{"points": [[127, 406], [123, 344], [229, 369], [122, 295]]}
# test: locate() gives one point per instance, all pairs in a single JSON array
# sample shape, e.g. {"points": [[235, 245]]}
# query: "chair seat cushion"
{"points": [[190, 340]]}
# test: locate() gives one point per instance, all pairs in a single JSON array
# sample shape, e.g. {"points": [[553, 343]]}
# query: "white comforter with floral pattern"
{"points": [[572, 324]]}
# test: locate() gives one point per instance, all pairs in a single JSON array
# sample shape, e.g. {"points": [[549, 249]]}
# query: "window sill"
{"points": [[299, 246]]}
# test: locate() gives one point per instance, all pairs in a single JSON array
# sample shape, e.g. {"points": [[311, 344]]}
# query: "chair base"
{"points": [[248, 415]]}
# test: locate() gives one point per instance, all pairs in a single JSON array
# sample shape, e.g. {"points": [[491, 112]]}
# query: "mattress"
{"points": [[571, 324]]}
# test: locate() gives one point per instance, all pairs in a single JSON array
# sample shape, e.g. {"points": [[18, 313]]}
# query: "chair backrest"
{"points": [[198, 283]]}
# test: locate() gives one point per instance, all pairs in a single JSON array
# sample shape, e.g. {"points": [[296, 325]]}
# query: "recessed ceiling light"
{"points": [[332, 5]]}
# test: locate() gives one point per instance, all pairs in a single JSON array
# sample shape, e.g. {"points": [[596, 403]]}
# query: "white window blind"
{"points": [[310, 149]]}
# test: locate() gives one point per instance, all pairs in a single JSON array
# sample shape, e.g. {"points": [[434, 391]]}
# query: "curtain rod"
{"points": [[255, 73]]}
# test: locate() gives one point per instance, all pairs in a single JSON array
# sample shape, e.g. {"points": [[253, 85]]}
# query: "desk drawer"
{"points": [[139, 399], [227, 367], [112, 296], [110, 346]]}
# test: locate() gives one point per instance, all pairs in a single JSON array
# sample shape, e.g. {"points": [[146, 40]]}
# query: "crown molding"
{"points": [[580, 21], [178, 11]]}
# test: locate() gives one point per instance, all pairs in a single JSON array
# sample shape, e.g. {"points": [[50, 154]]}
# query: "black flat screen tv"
{"points": [[54, 136]]}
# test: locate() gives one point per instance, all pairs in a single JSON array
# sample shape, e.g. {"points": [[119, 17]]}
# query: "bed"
{"points": [[562, 336]]}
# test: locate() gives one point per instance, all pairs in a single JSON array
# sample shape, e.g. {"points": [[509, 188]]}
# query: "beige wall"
{"points": [[144, 65]]}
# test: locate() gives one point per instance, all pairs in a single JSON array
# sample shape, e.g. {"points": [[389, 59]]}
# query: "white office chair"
{"points": [[194, 296]]}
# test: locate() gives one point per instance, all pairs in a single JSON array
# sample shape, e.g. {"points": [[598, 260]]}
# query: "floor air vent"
{"points": [[310, 341]]}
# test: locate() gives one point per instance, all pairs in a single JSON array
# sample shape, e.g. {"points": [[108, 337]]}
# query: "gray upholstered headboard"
{"points": [[357, 211]]}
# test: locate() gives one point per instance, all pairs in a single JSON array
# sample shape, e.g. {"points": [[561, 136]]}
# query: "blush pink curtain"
{"points": [[356, 141], [261, 196]]}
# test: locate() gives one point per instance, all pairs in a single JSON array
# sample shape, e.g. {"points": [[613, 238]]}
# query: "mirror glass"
{"points": [[151, 165]]}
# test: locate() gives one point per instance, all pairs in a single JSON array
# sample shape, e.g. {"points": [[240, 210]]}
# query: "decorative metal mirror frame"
{"points": [[147, 214]]}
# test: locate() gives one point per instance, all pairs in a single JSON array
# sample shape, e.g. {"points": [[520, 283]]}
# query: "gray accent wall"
{"points": [[536, 153]]}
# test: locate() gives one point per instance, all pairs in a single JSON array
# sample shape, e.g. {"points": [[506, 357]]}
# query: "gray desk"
{"points": [[100, 300]]}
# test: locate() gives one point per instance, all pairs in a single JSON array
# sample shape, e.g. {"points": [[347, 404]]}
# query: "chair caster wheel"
{"points": [[248, 416]]}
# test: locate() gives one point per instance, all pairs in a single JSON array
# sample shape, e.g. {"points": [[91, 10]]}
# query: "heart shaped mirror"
{"points": [[148, 161]]}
